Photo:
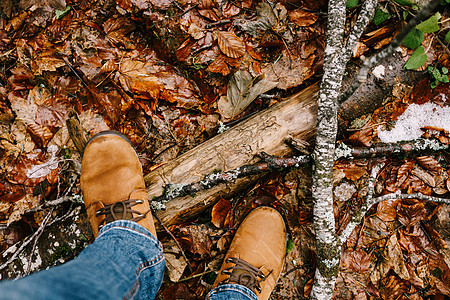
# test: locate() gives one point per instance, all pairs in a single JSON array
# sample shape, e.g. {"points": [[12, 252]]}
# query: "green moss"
{"points": [[61, 251], [437, 272]]}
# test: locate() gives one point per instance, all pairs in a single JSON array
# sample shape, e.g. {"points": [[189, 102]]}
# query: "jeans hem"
{"points": [[231, 287]]}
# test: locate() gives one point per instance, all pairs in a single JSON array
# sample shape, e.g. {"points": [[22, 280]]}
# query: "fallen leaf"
{"points": [[357, 261], [175, 262], [219, 212], [231, 45], [387, 210], [288, 73], [354, 172], [394, 287], [242, 90], [302, 18]]}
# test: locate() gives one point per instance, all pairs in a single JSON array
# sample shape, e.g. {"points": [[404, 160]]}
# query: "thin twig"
{"points": [[175, 239], [411, 196], [365, 207], [40, 231], [414, 146], [196, 275]]}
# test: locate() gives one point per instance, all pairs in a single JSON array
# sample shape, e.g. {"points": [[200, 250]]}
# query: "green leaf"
{"points": [[417, 59], [414, 39], [444, 78], [434, 84], [61, 13], [447, 37], [405, 14], [380, 16], [444, 70], [404, 2], [430, 25], [352, 3], [289, 246]]}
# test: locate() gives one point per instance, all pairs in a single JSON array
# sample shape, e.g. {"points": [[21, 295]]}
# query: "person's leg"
{"points": [[124, 262], [254, 260]]}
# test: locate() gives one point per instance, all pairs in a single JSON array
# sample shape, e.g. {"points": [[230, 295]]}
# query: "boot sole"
{"points": [[107, 132]]}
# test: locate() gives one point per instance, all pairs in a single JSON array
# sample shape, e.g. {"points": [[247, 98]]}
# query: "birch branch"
{"points": [[411, 196], [419, 145], [269, 163], [365, 16], [328, 246], [370, 63]]}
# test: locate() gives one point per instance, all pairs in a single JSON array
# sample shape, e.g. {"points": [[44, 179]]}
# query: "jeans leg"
{"points": [[124, 262], [231, 291]]}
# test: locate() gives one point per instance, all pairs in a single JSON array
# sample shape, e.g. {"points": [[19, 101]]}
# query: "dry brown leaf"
{"points": [[411, 213], [302, 18], [387, 210], [219, 212], [354, 172], [288, 73], [357, 261], [393, 259], [424, 176], [403, 173], [219, 66], [230, 44], [394, 287], [430, 164]]}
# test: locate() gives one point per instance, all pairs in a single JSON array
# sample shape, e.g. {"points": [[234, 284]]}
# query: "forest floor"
{"points": [[160, 72]]}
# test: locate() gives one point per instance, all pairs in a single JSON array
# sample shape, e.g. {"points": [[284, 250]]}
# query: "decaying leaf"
{"points": [[302, 18], [231, 45], [387, 210], [354, 172], [242, 90], [358, 261], [175, 262], [288, 73]]}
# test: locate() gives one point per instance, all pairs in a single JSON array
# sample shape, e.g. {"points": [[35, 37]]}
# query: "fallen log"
{"points": [[266, 131]]}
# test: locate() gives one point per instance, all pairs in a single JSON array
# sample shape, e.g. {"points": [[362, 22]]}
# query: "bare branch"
{"points": [[419, 145], [365, 207], [365, 16], [269, 163], [411, 196]]}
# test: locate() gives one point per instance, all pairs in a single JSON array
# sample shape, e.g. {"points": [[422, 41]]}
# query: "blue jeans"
{"points": [[125, 262]]}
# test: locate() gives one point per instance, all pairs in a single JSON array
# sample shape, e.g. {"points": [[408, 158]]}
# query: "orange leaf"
{"points": [[219, 212], [387, 210], [219, 66], [354, 172], [231, 45], [302, 18]]}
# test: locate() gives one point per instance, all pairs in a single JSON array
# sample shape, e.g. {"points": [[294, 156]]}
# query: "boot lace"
{"points": [[121, 210], [244, 274]]}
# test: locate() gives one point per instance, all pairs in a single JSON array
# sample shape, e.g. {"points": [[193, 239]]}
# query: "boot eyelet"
{"points": [[139, 201]]}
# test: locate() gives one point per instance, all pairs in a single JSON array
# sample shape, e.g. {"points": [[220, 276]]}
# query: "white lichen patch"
{"points": [[344, 191], [342, 151], [378, 72]]}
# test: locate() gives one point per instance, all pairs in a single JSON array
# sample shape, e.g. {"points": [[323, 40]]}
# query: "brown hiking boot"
{"points": [[256, 254], [112, 182]]}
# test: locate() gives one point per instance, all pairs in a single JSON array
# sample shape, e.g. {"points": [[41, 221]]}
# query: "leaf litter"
{"points": [[164, 73]]}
